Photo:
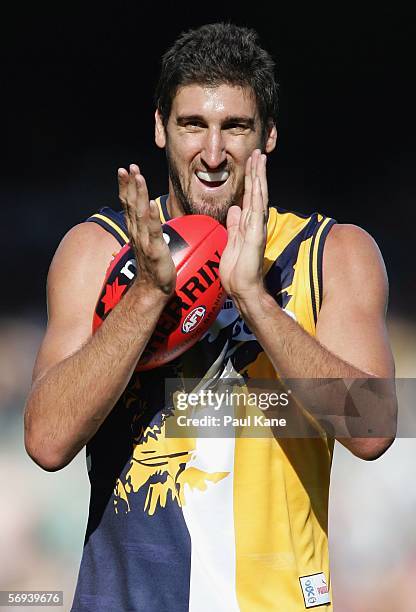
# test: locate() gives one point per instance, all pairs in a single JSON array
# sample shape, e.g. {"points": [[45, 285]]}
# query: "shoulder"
{"points": [[345, 235], [352, 257], [82, 241], [349, 245], [88, 232], [80, 261]]}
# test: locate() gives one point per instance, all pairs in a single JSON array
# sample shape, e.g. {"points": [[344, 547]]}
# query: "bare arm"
{"points": [[352, 324], [351, 340], [78, 377]]}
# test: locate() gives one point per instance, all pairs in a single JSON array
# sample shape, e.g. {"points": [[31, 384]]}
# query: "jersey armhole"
{"points": [[315, 263], [108, 221]]}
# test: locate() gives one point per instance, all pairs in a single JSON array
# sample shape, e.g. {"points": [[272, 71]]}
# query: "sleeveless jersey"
{"points": [[206, 524]]}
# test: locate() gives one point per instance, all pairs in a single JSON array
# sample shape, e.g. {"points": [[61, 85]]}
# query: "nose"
{"points": [[213, 153]]}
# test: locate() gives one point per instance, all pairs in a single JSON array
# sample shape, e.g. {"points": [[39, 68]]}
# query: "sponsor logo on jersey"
{"points": [[315, 590]]}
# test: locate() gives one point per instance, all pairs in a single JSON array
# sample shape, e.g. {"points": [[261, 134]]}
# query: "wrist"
{"points": [[152, 295], [254, 303]]}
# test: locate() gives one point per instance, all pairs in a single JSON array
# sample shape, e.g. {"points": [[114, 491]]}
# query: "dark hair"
{"points": [[214, 54]]}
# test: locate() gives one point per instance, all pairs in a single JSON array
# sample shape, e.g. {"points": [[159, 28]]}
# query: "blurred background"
{"points": [[78, 85]]}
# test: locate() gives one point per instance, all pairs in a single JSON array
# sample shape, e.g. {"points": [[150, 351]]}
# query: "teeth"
{"points": [[213, 177]]}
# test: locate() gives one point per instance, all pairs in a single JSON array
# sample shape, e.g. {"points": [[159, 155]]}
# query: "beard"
{"points": [[209, 205]]}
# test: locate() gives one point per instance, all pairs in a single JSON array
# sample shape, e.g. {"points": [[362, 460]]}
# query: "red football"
{"points": [[196, 243]]}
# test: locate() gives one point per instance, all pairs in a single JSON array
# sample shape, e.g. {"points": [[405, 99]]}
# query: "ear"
{"points": [[271, 139], [160, 134]]}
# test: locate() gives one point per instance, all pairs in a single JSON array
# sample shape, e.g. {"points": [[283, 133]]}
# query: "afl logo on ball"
{"points": [[193, 319]]}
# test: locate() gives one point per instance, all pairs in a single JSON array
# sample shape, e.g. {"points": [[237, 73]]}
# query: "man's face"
{"points": [[210, 134]]}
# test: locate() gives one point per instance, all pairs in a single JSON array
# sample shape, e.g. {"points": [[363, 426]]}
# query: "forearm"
{"points": [[293, 352], [358, 407], [68, 404]]}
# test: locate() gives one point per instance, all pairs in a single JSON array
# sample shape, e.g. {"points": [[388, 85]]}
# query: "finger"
{"points": [[134, 169], [255, 160], [253, 164], [263, 182], [128, 203], [131, 194], [247, 193], [247, 183], [138, 211], [131, 207], [260, 171], [233, 223], [142, 196], [233, 218], [257, 196], [256, 220], [256, 204], [123, 181], [154, 224], [131, 185]]}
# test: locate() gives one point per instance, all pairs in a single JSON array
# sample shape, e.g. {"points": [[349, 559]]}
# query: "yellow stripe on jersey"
{"points": [[112, 224], [162, 216], [282, 228], [281, 485], [280, 519], [316, 264]]}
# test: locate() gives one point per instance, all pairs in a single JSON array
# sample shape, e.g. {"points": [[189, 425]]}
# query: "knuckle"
{"points": [[153, 257], [155, 233]]}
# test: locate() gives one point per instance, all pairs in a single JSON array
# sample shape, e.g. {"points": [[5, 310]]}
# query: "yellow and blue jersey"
{"points": [[211, 524]]}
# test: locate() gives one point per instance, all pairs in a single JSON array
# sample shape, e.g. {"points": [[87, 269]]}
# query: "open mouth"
{"points": [[213, 179]]}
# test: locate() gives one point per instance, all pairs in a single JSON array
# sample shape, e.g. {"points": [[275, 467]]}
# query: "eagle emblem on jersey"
{"points": [[160, 466]]}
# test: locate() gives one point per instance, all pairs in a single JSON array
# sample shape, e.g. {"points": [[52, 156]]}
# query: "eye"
{"points": [[194, 124], [236, 128]]}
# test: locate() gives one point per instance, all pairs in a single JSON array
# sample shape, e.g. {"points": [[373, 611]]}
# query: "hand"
{"points": [[241, 267], [154, 261]]}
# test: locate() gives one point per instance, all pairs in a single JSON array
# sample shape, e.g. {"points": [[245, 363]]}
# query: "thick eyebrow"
{"points": [[246, 120]]}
